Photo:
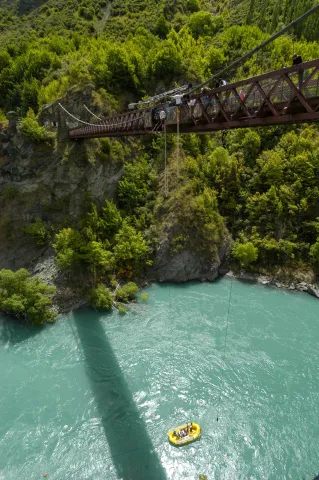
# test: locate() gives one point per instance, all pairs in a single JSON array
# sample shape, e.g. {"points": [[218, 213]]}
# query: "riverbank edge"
{"points": [[63, 305], [311, 288]]}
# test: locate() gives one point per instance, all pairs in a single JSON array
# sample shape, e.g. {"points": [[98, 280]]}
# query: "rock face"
{"points": [[313, 290], [51, 182], [189, 265]]}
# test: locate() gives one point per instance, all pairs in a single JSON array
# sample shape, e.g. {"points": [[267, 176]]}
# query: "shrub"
{"points": [[3, 118], [105, 146], [246, 253], [127, 292], [101, 298], [202, 23], [39, 232], [22, 296], [69, 245], [10, 192], [31, 130], [130, 248], [314, 251], [162, 27]]}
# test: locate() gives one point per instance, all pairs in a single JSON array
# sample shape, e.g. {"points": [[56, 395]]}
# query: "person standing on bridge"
{"points": [[162, 118], [296, 60]]}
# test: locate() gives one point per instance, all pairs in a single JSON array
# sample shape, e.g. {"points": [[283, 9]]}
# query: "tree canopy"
{"points": [[25, 297]]}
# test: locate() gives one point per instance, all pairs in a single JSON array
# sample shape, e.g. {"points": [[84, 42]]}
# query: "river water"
{"points": [[93, 396]]}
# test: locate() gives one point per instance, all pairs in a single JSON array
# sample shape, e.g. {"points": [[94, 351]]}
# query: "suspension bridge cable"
{"points": [[225, 345], [78, 119], [92, 113], [255, 50], [105, 125]]}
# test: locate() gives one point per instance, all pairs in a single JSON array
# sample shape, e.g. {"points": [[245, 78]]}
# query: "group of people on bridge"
{"points": [[160, 113]]}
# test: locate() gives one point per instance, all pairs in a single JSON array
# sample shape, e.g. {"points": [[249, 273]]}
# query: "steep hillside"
{"points": [[271, 15]]}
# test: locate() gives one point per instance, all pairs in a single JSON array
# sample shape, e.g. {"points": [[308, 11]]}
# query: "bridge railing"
{"points": [[288, 91]]}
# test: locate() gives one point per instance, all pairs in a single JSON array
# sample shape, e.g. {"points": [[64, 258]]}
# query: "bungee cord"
{"points": [[225, 345]]}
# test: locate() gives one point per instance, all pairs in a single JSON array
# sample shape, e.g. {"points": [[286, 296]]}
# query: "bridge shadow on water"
{"points": [[132, 451], [13, 331]]}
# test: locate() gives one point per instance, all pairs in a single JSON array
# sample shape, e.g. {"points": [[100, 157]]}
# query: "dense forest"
{"points": [[260, 185]]}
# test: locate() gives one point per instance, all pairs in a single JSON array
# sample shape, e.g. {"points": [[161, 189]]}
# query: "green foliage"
{"points": [[3, 118], [199, 223], [130, 248], [215, 61], [121, 309], [137, 180], [10, 192], [246, 253], [314, 251], [127, 292], [204, 23], [39, 231], [162, 27], [69, 245], [31, 130], [102, 242], [25, 297], [102, 224], [168, 62], [100, 298]]}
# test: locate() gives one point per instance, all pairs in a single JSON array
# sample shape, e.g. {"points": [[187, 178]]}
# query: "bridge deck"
{"points": [[285, 96]]}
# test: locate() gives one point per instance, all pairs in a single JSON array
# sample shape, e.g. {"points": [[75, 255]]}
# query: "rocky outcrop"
{"points": [[189, 264], [50, 181], [311, 288]]}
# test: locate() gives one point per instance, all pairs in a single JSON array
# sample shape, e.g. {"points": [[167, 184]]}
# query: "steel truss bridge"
{"points": [[281, 97]]}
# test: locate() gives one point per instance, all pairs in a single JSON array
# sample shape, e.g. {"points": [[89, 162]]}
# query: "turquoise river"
{"points": [[93, 396]]}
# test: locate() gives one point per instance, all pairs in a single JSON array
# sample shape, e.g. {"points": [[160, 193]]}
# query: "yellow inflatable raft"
{"points": [[184, 434]]}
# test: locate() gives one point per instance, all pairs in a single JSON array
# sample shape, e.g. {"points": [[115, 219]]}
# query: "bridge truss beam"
{"points": [[285, 96]]}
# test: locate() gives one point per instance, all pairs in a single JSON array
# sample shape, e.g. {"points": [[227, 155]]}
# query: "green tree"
{"points": [[314, 251], [168, 62], [39, 232], [130, 247], [135, 185], [127, 292], [101, 298], [98, 256], [25, 297], [31, 130], [246, 253], [203, 23], [104, 224], [69, 245], [162, 27]]}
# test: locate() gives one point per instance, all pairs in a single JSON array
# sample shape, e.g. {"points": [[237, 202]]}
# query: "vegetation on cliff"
{"points": [[25, 297]]}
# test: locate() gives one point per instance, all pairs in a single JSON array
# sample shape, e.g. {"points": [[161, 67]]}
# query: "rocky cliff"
{"points": [[50, 181]]}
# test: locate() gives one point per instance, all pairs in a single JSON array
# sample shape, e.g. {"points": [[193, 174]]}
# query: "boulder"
{"points": [[313, 290], [187, 265]]}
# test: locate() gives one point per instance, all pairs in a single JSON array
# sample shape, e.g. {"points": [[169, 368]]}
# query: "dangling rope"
{"points": [[225, 344], [165, 163], [177, 140]]}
